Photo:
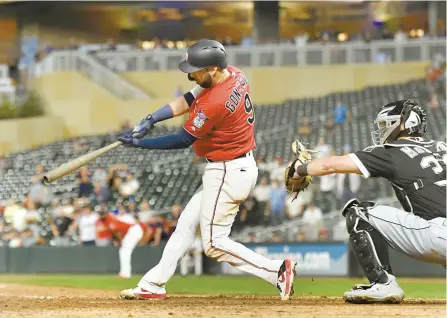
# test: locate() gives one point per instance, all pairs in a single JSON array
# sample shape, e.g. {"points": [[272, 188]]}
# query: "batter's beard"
{"points": [[207, 83]]}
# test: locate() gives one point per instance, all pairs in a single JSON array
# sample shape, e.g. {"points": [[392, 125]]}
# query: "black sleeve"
{"points": [[189, 97], [374, 162]]}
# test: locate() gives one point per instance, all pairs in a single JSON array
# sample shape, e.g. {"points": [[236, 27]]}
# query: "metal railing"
{"points": [[90, 67], [378, 52]]}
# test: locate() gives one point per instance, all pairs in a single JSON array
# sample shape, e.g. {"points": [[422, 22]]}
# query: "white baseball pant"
{"points": [[411, 234], [128, 244], [215, 205]]}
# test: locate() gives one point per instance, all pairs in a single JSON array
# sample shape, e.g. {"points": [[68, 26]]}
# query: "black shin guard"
{"points": [[369, 247]]}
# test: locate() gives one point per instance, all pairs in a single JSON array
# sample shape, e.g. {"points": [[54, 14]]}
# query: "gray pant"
{"points": [[411, 234]]}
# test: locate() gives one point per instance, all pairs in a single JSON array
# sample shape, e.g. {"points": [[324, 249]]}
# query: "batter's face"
{"points": [[204, 77]]}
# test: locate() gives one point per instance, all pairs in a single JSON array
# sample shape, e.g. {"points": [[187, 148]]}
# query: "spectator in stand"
{"points": [[252, 237], [277, 203], [400, 36], [133, 208], [323, 235], [341, 114], [99, 176], [276, 238], [30, 237], [277, 170], [300, 237], [86, 226], [312, 221], [249, 211], [347, 184], [60, 225], [157, 43], [113, 180], [85, 185], [15, 215], [329, 126], [176, 210], [156, 227], [32, 216], [130, 187], [39, 193], [262, 165], [304, 128], [295, 208], [326, 190], [101, 192], [324, 148], [145, 212], [262, 193]]}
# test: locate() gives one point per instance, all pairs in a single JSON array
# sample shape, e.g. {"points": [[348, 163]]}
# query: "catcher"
{"points": [[417, 170]]}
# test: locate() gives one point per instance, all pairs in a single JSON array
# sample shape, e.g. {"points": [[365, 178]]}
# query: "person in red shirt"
{"points": [[221, 130], [127, 235], [103, 235]]}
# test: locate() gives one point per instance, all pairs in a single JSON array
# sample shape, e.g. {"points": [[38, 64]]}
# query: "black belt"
{"points": [[241, 156]]}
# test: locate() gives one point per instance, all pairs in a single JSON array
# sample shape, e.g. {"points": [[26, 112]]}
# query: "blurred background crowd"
{"points": [[152, 187]]}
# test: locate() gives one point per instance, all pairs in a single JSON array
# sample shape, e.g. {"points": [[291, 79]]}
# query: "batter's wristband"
{"points": [[302, 170]]}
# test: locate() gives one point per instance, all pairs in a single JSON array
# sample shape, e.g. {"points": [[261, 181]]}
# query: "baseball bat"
{"points": [[74, 164]]}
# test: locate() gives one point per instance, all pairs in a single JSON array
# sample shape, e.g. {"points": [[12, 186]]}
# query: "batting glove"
{"points": [[127, 139], [143, 127]]}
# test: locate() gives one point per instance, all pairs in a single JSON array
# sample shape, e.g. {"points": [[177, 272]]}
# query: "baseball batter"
{"points": [[221, 129], [417, 171]]}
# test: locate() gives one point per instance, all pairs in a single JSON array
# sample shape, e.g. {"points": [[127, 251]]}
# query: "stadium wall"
{"points": [[271, 85], [86, 107], [316, 259], [25, 133]]}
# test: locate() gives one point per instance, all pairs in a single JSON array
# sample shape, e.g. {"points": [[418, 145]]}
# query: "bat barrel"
{"points": [[74, 164]]}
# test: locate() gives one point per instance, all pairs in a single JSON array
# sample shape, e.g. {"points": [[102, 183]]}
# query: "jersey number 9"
{"points": [[248, 105]]}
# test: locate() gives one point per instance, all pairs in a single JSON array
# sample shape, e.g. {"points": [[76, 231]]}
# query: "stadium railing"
{"points": [[378, 52], [286, 55]]}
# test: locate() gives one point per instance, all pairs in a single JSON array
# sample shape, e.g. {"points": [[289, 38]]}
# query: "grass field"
{"points": [[228, 285]]}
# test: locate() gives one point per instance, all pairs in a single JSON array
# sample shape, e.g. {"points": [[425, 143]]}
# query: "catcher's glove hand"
{"points": [[295, 185]]}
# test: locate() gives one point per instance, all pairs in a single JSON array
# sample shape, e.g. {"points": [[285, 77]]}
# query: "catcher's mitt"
{"points": [[303, 155]]}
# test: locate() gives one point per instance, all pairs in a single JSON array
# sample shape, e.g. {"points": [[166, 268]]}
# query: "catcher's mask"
{"points": [[392, 115]]}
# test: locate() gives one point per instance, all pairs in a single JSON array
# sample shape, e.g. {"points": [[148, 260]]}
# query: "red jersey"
{"points": [[114, 225], [102, 231], [222, 119]]}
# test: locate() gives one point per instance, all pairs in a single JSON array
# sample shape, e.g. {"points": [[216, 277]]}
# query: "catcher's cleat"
{"points": [[389, 293]]}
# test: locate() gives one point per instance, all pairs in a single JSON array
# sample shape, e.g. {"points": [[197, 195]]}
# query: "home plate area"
{"points": [[22, 301]]}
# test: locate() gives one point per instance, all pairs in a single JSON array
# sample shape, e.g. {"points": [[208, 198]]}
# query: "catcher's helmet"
{"points": [[392, 115], [202, 54]]}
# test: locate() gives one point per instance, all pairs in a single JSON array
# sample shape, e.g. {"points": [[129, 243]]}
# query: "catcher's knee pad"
{"points": [[367, 243]]}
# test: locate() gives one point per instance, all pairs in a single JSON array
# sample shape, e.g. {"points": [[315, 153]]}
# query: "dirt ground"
{"points": [[33, 301]]}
